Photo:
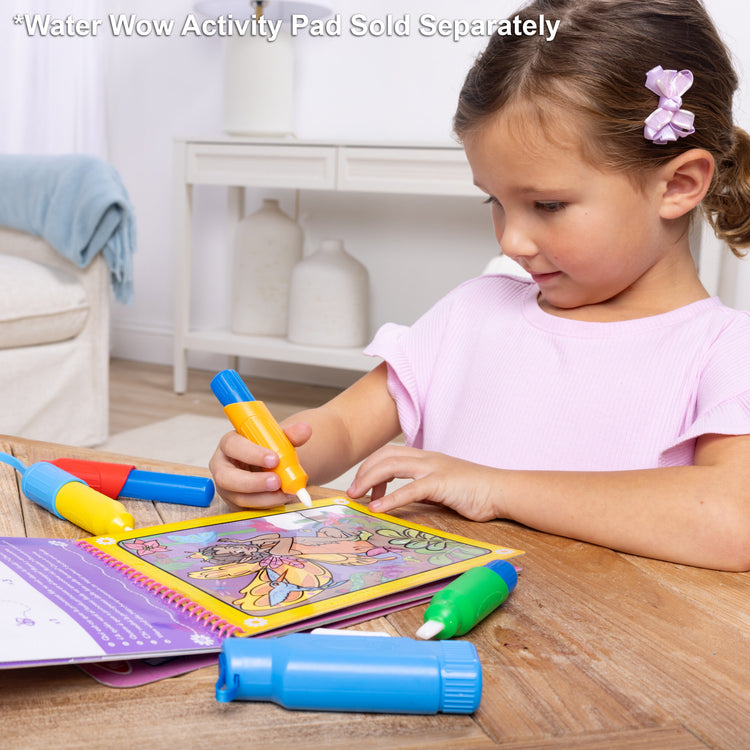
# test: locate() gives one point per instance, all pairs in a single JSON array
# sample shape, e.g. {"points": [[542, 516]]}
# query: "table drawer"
{"points": [[423, 171], [273, 166]]}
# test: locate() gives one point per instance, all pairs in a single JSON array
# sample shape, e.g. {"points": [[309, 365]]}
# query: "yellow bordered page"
{"points": [[256, 571]]}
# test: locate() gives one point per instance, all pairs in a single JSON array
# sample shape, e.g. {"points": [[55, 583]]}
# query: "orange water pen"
{"points": [[252, 420]]}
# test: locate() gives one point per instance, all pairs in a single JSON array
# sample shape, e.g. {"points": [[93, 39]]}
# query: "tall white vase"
{"points": [[329, 299], [267, 245]]}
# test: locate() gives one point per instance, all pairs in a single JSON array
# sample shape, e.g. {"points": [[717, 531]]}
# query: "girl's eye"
{"points": [[494, 204], [550, 206]]}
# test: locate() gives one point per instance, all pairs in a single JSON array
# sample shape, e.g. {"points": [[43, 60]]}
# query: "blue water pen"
{"points": [[362, 672], [252, 420], [465, 602]]}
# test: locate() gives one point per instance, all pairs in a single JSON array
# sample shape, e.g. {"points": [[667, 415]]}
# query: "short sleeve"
{"points": [[722, 405], [411, 354], [401, 378]]}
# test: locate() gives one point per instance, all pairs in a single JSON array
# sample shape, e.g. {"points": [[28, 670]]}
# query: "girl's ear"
{"points": [[686, 180]]}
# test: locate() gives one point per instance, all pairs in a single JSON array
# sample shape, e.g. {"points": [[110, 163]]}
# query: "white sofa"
{"points": [[54, 343]]}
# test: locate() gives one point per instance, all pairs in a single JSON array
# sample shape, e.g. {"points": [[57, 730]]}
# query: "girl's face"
{"points": [[234, 549], [593, 242]]}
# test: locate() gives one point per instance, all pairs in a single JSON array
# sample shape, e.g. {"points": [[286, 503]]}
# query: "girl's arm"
{"points": [[329, 440], [697, 515]]}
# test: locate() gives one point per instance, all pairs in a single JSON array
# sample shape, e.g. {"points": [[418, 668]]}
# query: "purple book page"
{"points": [[134, 672], [59, 605]]}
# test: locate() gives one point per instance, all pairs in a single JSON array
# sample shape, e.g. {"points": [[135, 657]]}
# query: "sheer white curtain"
{"points": [[52, 88]]}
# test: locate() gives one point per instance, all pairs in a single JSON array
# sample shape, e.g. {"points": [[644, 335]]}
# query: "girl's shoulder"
{"points": [[727, 320], [713, 341], [727, 331], [505, 279], [496, 286], [470, 304]]}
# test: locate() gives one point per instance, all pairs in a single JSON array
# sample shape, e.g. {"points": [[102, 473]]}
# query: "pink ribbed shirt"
{"points": [[488, 376]]}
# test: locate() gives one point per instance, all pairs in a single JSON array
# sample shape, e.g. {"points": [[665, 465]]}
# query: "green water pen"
{"points": [[462, 604]]}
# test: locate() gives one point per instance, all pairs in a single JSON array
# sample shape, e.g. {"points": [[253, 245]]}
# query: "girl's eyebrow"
{"points": [[527, 189], [536, 189]]}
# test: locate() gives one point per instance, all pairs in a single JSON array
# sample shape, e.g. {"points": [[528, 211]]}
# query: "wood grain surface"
{"points": [[594, 649]]}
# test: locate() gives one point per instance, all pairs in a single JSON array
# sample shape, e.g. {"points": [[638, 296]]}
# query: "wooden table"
{"points": [[594, 649]]}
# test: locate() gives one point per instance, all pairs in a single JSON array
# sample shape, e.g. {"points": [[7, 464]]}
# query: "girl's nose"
{"points": [[516, 243]]}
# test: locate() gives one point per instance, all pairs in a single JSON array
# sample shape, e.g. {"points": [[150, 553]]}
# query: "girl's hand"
{"points": [[470, 489], [242, 469]]}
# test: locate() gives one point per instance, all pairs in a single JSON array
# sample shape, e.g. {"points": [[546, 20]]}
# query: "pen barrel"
{"points": [[92, 511], [466, 601], [253, 420], [157, 486], [352, 673]]}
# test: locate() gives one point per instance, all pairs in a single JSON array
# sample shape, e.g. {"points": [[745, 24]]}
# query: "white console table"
{"points": [[239, 163]]}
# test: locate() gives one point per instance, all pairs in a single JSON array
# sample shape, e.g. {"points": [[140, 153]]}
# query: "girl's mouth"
{"points": [[541, 278]]}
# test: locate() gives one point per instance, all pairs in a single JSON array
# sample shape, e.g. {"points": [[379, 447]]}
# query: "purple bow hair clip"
{"points": [[668, 122]]}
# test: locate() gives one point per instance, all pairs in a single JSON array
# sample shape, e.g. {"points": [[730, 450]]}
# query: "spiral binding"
{"points": [[194, 609]]}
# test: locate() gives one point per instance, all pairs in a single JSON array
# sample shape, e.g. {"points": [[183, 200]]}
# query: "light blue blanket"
{"points": [[78, 204]]}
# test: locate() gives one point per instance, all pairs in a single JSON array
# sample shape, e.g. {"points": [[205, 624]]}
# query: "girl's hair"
{"points": [[596, 64]]}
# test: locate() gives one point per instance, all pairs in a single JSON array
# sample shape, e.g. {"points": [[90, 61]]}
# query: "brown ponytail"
{"points": [[727, 204]]}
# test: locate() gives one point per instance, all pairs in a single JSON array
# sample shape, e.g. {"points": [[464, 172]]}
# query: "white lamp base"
{"points": [[258, 85]]}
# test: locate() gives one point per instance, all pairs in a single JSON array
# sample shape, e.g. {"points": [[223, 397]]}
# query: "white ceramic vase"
{"points": [[267, 246], [329, 299]]}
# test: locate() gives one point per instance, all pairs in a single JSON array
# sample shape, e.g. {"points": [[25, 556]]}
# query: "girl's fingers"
{"points": [[235, 447], [298, 433], [387, 463], [240, 471]]}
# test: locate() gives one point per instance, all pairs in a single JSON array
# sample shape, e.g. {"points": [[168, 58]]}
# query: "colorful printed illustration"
{"points": [[285, 569], [143, 548], [264, 570]]}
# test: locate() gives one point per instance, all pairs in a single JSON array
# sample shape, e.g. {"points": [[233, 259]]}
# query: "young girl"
{"points": [[608, 398]]}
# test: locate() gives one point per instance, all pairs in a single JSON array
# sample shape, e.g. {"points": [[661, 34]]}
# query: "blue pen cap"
{"points": [[506, 571], [230, 388], [42, 481], [179, 489], [352, 672]]}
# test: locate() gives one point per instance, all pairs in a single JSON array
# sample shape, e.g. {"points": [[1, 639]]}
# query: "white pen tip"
{"points": [[304, 497], [429, 630]]}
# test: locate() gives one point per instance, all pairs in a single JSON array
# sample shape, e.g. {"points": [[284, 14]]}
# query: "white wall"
{"points": [[349, 89], [387, 90], [733, 21]]}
